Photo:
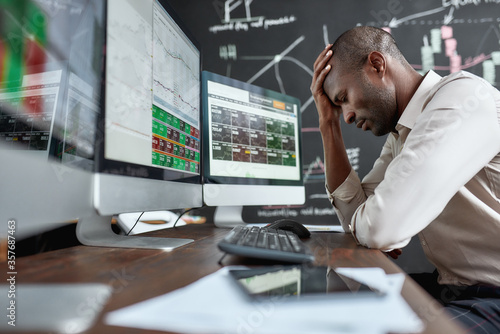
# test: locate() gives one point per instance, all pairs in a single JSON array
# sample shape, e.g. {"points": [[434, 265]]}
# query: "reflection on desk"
{"points": [[221, 307]]}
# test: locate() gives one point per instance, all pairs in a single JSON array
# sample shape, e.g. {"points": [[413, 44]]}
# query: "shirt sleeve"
{"points": [[352, 192], [456, 135]]}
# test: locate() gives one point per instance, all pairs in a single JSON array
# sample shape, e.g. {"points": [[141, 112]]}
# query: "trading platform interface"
{"points": [[30, 111], [252, 135], [49, 79], [176, 96], [153, 108]]}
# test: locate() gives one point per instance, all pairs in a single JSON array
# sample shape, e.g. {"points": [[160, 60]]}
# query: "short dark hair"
{"points": [[351, 49]]}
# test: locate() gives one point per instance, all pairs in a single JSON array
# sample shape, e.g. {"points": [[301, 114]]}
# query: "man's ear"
{"points": [[377, 62]]}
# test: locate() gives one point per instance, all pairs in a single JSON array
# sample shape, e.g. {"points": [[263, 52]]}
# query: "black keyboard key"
{"points": [[273, 242], [262, 241], [296, 243], [235, 235], [285, 244], [251, 237]]}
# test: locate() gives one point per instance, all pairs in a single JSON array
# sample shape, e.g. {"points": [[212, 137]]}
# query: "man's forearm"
{"points": [[337, 166]]}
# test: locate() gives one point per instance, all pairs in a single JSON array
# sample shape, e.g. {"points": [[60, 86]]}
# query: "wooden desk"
{"points": [[136, 274]]}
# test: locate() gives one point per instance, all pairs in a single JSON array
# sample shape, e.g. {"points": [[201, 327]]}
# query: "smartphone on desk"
{"points": [[299, 282]]}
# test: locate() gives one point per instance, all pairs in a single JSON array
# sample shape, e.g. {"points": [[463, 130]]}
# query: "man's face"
{"points": [[365, 101]]}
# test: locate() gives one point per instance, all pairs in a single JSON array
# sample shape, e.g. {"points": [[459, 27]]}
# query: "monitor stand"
{"points": [[228, 216], [141, 222], [95, 230]]}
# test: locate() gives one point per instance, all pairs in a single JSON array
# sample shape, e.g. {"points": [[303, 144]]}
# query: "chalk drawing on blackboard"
{"points": [[274, 61], [231, 5], [247, 22], [315, 170], [326, 40], [394, 23], [433, 35], [442, 36]]}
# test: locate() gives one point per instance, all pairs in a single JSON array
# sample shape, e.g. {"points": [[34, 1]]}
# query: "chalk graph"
{"points": [[439, 41], [440, 36], [456, 63], [275, 43], [441, 48]]}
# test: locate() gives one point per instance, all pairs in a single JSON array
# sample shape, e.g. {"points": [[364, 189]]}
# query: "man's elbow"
{"points": [[384, 236]]}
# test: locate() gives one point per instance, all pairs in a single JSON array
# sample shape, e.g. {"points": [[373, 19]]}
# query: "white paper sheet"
{"points": [[214, 304], [311, 228], [324, 228]]}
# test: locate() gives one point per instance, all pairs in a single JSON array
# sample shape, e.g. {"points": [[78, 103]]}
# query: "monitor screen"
{"points": [[50, 71], [99, 115], [49, 87], [148, 152], [252, 144], [152, 92]]}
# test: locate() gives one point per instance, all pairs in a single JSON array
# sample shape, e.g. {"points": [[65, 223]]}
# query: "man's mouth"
{"points": [[362, 124]]}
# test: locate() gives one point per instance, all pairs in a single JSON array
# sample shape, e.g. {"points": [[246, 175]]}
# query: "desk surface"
{"points": [[138, 274]]}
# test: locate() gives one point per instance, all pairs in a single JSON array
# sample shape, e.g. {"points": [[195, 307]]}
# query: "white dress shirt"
{"points": [[438, 177]]}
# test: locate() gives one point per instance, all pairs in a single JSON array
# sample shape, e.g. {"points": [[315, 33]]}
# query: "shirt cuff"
{"points": [[352, 229], [347, 190]]}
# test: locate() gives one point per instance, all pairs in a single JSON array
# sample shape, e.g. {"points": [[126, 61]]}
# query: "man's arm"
{"points": [[338, 170], [452, 140], [337, 166]]}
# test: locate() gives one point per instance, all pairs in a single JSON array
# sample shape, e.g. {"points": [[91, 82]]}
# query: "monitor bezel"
{"points": [[115, 167], [222, 180]]}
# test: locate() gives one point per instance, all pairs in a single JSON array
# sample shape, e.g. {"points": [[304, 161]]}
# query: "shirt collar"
{"points": [[414, 107]]}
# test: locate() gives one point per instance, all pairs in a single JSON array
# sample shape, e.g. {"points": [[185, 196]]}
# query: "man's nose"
{"points": [[349, 117]]}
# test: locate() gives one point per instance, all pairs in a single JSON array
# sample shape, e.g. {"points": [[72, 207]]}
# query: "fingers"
{"points": [[327, 111], [395, 253], [321, 56], [322, 61], [319, 79], [394, 256], [321, 70]]}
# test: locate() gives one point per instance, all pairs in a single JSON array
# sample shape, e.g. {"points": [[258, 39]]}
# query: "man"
{"points": [[438, 174]]}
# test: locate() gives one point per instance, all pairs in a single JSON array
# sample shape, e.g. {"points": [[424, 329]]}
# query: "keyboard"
{"points": [[264, 243]]}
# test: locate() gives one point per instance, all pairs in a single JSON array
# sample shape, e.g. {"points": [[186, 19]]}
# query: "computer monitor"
{"points": [[149, 149], [49, 96], [251, 148]]}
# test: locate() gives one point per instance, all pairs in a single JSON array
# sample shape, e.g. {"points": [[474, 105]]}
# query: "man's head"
{"points": [[361, 82]]}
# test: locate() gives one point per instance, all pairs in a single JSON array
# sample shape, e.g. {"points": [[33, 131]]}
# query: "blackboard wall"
{"points": [[273, 43]]}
